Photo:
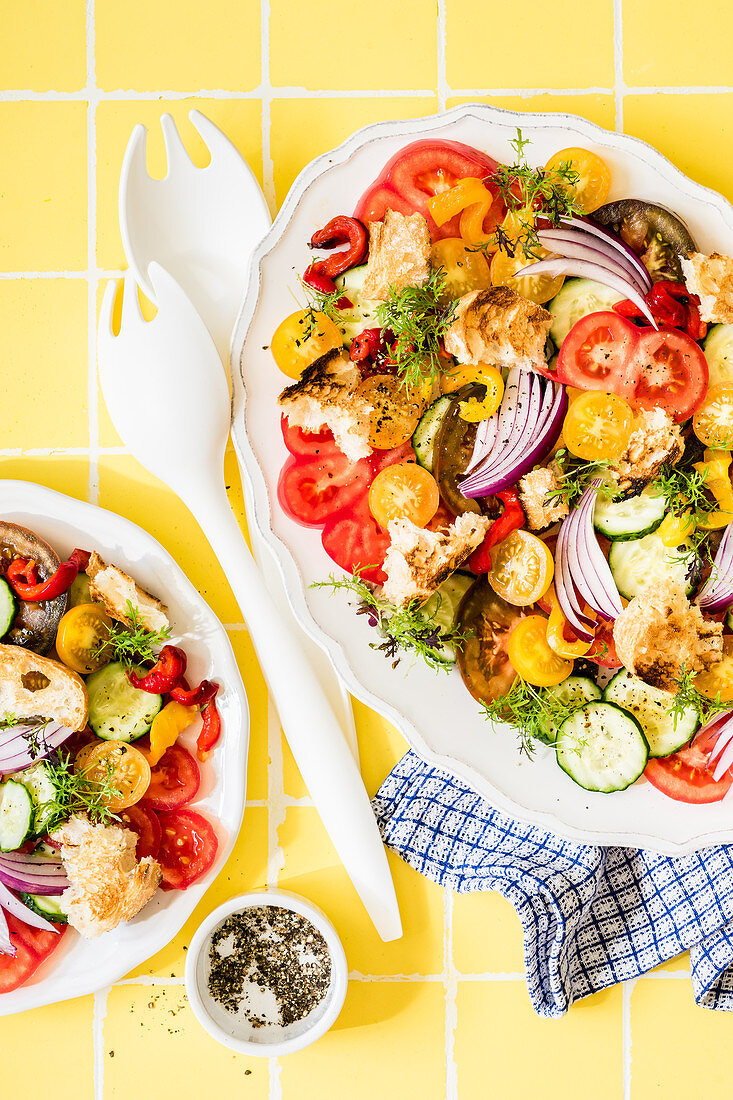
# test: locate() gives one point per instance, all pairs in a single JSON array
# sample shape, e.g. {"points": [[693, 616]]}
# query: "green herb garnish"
{"points": [[320, 302], [684, 490], [407, 628], [417, 317], [133, 644], [535, 713], [77, 794], [687, 695], [573, 476]]}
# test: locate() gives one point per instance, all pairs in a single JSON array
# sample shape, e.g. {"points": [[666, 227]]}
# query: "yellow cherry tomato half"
{"points": [[80, 638], [675, 529], [463, 270], [556, 630], [475, 409], [505, 267], [719, 677], [404, 491], [120, 766], [302, 338], [446, 204], [396, 409], [522, 568], [531, 656], [598, 425], [591, 187], [713, 421], [716, 468]]}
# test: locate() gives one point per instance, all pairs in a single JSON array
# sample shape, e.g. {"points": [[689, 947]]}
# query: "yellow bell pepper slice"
{"points": [[555, 630], [446, 204], [675, 529], [716, 464], [167, 725], [471, 225]]}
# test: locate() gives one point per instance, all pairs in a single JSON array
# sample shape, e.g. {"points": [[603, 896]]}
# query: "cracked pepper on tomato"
{"points": [[510, 417]]}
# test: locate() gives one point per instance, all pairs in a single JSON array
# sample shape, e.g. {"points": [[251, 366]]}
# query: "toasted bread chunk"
{"points": [[116, 590], [325, 396], [33, 686], [418, 560], [498, 327], [534, 490], [107, 883], [655, 442], [660, 631], [711, 278], [399, 254]]}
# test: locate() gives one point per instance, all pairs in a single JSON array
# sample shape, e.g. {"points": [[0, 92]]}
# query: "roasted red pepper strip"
{"points": [[511, 519], [210, 731], [194, 697], [670, 304], [366, 345], [167, 672], [315, 277], [342, 230], [22, 576]]}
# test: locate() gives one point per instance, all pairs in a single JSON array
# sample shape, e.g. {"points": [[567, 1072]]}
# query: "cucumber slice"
{"points": [[575, 690], [80, 591], [577, 298], [442, 607], [16, 815], [42, 789], [117, 710], [640, 562], [362, 314], [425, 436], [8, 607], [46, 905], [650, 706], [602, 748], [620, 520], [718, 348]]}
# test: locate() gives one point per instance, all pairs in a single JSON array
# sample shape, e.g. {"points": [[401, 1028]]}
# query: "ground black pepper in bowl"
{"points": [[270, 965]]}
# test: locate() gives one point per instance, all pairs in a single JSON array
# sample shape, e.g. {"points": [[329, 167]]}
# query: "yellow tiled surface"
{"points": [[443, 1012]]}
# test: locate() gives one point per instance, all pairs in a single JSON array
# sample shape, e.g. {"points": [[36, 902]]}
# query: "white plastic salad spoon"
{"points": [[168, 399]]}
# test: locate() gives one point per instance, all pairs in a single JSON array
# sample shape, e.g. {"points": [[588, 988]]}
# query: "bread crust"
{"points": [[23, 692]]}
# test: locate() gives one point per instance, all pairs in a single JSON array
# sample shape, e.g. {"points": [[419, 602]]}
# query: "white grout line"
{"points": [[92, 390], [626, 991], [268, 170], [451, 998], [98, 1017], [442, 81], [277, 808], [618, 65], [58, 274]]}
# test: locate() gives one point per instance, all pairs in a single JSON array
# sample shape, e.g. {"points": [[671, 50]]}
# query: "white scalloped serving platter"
{"points": [[435, 713], [80, 966]]}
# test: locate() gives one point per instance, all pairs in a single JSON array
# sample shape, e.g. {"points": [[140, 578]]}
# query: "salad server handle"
{"points": [[315, 737]]}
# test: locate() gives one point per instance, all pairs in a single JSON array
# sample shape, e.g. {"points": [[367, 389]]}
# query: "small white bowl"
{"points": [[234, 1032]]}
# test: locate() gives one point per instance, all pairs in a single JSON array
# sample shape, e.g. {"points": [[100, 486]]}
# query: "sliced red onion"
{"points": [[7, 947], [584, 269], [27, 743], [22, 912], [606, 237], [528, 425], [581, 623], [34, 874], [583, 561], [722, 751], [484, 441], [717, 592], [575, 245]]}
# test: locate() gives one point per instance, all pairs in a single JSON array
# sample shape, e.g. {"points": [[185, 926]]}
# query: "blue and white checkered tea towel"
{"points": [[591, 916]]}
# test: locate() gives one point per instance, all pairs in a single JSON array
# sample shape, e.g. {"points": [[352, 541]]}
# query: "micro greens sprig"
{"points": [[133, 644], [404, 629], [76, 793], [417, 317], [535, 713], [684, 490], [687, 695], [573, 476]]}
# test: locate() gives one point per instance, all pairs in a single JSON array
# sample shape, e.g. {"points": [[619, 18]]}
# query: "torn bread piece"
{"points": [[540, 508], [108, 884], [39, 687], [325, 396], [660, 632], [399, 254], [116, 590], [655, 442], [711, 279], [418, 560], [498, 327]]}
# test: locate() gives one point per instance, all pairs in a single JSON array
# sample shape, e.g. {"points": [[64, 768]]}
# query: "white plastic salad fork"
{"points": [[168, 398]]}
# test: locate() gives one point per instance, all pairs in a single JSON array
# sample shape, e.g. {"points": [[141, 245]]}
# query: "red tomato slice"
{"points": [[302, 443], [32, 946], [598, 354], [671, 373], [188, 848], [603, 648], [143, 821], [354, 540], [419, 171], [379, 460], [174, 780], [684, 775], [312, 490]]}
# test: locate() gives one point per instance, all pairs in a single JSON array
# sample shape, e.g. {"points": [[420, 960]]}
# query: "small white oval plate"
{"points": [[79, 966], [436, 715]]}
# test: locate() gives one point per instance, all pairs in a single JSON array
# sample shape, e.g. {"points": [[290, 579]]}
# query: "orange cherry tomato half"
{"points": [[396, 410], [80, 638], [404, 491], [118, 764]]}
